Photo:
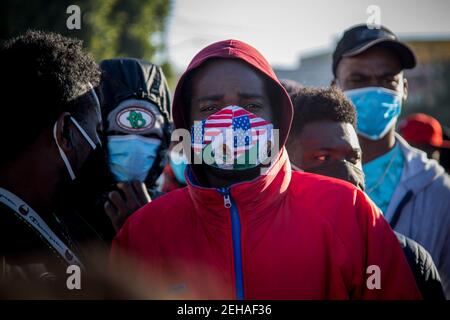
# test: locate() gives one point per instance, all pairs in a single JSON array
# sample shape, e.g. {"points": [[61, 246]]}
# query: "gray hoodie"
{"points": [[420, 207]]}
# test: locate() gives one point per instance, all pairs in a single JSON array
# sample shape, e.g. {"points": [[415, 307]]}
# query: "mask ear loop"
{"points": [[63, 155], [85, 135], [61, 152], [97, 101]]}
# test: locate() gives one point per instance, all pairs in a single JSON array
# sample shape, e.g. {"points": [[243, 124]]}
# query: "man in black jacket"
{"points": [[135, 104], [49, 140]]}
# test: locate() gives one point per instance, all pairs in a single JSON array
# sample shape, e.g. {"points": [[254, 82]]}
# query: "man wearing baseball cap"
{"points": [[425, 133], [412, 191]]}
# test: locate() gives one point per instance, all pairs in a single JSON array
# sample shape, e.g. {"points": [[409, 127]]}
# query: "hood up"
{"points": [[234, 49], [129, 78]]}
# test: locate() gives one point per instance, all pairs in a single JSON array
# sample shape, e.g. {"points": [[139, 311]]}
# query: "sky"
{"points": [[282, 30]]}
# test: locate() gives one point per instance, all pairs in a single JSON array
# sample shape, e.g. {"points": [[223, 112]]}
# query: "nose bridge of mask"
{"points": [[126, 139], [354, 166], [84, 133], [380, 90], [61, 152], [370, 89], [357, 173]]}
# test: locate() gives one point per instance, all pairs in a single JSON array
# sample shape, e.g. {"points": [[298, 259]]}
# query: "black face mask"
{"points": [[343, 170], [79, 202], [93, 178], [91, 182]]}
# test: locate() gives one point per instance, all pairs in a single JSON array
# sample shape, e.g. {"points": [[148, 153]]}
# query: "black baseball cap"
{"points": [[359, 38]]}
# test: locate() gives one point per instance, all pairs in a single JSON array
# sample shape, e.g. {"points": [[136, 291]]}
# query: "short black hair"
{"points": [[321, 104], [42, 75]]}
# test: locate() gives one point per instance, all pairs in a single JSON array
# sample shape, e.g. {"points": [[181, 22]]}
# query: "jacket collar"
{"points": [[253, 198], [418, 171]]}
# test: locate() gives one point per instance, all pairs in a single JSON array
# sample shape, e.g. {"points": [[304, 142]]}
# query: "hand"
{"points": [[119, 208]]}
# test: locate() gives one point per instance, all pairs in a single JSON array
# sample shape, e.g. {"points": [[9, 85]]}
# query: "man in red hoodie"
{"points": [[236, 233]]}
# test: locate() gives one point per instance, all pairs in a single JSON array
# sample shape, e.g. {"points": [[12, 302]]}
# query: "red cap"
{"points": [[423, 129]]}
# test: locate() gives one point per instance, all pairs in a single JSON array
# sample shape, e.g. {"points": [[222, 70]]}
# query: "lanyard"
{"points": [[29, 216]]}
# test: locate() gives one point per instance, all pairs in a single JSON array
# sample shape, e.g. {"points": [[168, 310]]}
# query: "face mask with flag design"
{"points": [[232, 139]]}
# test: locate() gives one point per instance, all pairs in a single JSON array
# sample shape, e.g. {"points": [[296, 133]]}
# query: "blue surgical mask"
{"points": [[377, 110], [130, 157], [178, 164]]}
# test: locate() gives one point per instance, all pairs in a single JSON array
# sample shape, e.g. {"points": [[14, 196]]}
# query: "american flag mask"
{"points": [[232, 139]]}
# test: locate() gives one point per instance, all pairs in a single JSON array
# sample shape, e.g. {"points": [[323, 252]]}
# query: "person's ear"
{"points": [[405, 89], [63, 133]]}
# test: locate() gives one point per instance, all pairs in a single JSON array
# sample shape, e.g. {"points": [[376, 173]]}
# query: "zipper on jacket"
{"points": [[236, 237], [226, 200]]}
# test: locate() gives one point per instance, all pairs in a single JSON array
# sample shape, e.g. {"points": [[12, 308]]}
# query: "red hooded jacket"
{"points": [[287, 235]]}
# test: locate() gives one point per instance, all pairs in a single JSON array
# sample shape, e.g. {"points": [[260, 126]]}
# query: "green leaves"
{"points": [[109, 28]]}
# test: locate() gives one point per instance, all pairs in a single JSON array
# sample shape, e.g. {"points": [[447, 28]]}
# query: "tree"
{"points": [[109, 28]]}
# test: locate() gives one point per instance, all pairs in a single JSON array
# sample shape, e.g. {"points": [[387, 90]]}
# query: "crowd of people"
{"points": [[241, 187]]}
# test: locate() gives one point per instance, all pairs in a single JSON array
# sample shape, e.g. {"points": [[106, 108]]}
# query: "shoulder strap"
{"points": [[25, 213], [400, 207]]}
